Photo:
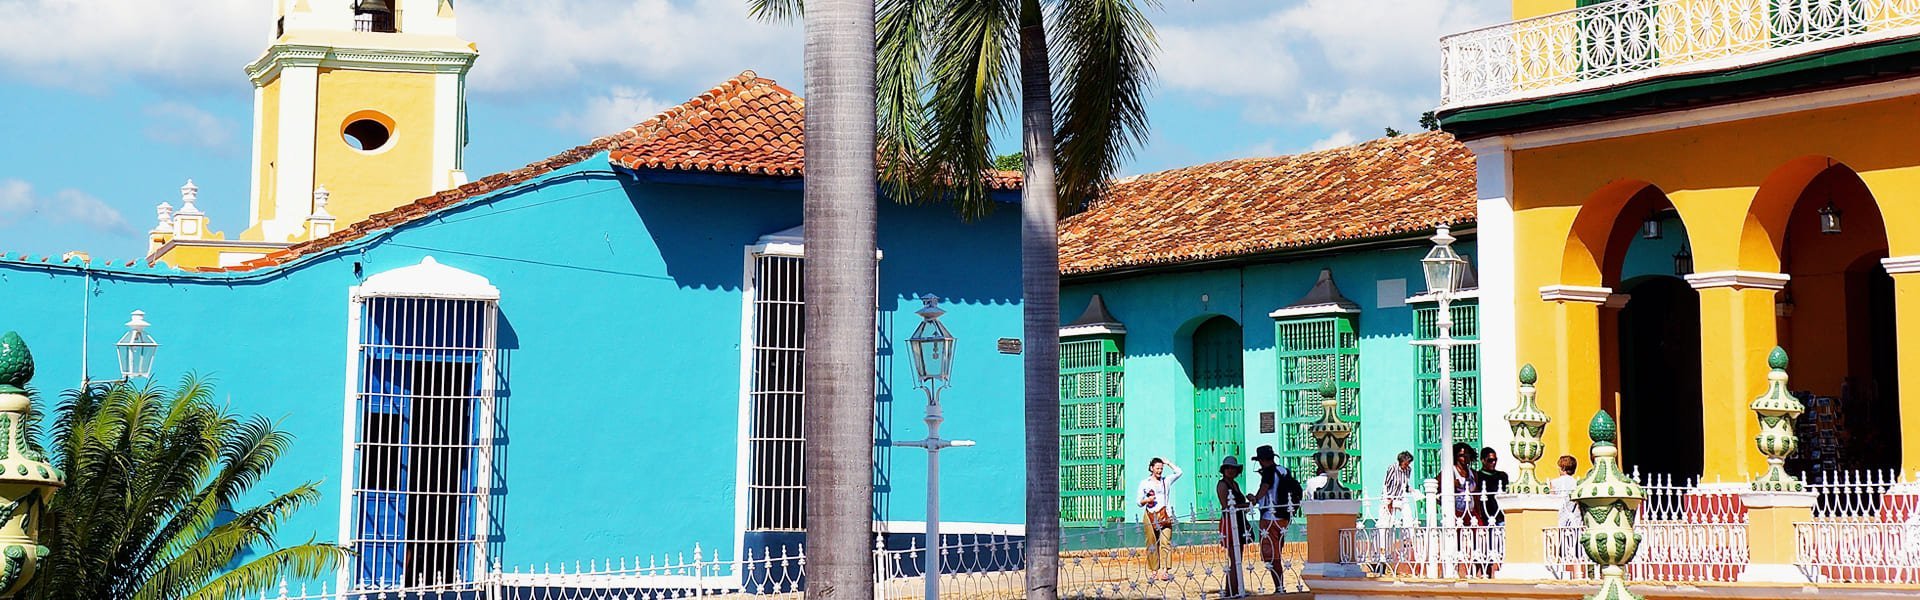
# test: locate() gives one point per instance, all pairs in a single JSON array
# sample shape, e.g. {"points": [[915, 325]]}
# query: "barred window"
{"points": [[424, 410], [776, 432], [1314, 350], [1092, 431], [1466, 383]]}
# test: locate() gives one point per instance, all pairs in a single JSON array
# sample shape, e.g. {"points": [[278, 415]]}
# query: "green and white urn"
{"points": [[1777, 409], [1330, 435], [26, 480], [1609, 504], [1528, 423]]}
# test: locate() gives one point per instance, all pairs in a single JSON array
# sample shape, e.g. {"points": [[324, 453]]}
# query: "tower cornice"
{"points": [[280, 56]]}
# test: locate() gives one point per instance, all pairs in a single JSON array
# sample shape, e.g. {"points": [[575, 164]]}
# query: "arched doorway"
{"points": [[1218, 405], [1660, 408], [1837, 324]]}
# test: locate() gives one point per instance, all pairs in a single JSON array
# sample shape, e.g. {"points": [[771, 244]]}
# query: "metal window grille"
{"points": [[422, 444], [1312, 351], [1092, 431], [776, 436], [1466, 383]]}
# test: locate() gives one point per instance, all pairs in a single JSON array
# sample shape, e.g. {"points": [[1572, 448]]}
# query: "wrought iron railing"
{"points": [[1625, 40]]}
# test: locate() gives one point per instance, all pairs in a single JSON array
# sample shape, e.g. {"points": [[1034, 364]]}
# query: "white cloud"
{"points": [[1337, 64], [1338, 139], [90, 43], [618, 109], [19, 203], [186, 125]]}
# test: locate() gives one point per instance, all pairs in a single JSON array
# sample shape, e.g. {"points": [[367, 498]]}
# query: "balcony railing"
{"points": [[1628, 40]]}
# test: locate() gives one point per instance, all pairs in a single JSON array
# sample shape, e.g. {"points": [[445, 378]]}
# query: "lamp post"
{"points": [[932, 348], [134, 352], [1443, 269]]}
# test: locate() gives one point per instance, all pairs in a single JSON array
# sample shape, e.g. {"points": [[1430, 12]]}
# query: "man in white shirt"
{"points": [[1156, 500]]}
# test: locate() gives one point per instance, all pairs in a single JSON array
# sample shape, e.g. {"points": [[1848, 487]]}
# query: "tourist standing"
{"points": [[1562, 486], [1492, 481], [1156, 505], [1278, 493], [1399, 486], [1233, 505]]}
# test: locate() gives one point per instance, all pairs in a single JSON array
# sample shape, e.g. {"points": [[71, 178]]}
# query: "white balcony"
{"points": [[1625, 41]]}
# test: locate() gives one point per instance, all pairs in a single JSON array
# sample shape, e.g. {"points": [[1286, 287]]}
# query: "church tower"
{"points": [[359, 107]]}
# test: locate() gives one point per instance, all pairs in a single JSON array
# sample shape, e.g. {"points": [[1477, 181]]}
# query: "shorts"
{"points": [[1273, 535]]}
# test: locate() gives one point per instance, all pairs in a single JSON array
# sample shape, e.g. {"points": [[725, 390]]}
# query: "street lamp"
{"points": [[135, 350], [932, 350], [1444, 269]]}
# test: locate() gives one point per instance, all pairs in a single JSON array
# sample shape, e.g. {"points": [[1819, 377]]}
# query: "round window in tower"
{"points": [[367, 131]]}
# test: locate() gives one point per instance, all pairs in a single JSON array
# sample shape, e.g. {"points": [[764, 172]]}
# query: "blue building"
{"points": [[597, 355], [1218, 298]]}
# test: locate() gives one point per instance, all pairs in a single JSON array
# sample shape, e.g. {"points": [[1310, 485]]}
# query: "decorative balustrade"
{"points": [[1625, 40], [1865, 529]]}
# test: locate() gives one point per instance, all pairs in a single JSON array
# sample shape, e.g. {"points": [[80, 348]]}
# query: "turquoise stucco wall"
{"points": [[1160, 311], [620, 336]]}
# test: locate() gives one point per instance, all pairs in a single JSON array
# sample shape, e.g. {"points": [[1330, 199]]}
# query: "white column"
{"points": [[259, 130], [1494, 251], [293, 179], [446, 129]]}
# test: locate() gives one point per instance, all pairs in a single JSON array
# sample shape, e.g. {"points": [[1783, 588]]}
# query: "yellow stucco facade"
{"points": [[365, 182], [1746, 189]]}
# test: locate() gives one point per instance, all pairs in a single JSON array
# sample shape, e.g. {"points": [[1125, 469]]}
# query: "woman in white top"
{"points": [[1562, 486]]}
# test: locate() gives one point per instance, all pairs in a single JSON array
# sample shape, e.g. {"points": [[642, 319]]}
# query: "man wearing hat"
{"points": [[1278, 493]]}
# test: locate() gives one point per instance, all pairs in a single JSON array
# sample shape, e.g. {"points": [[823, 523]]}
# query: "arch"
{"points": [[1217, 370], [1598, 238], [1763, 235]]}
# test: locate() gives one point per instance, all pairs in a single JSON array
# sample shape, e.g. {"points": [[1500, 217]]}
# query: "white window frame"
{"points": [[427, 280]]}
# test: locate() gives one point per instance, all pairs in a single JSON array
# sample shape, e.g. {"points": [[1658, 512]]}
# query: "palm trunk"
{"points": [[1040, 304], [840, 298]]}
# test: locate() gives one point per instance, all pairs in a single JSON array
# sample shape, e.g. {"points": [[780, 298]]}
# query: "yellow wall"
{"points": [[363, 183], [269, 152], [1734, 185], [1523, 9]]}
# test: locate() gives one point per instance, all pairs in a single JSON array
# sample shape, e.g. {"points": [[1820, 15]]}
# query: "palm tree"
{"points": [[946, 71], [839, 288], [152, 509]]}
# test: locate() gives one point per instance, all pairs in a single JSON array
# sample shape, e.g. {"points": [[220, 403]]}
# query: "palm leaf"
{"points": [[1103, 57], [970, 85]]}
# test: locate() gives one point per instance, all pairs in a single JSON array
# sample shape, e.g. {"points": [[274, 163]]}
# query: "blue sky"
{"points": [[111, 104]]}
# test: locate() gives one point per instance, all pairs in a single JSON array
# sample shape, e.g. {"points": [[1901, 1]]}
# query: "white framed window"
{"points": [[420, 427], [776, 423]]}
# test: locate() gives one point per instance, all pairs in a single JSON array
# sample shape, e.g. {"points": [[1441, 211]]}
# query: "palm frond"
{"points": [[1103, 55], [970, 86], [776, 11], [305, 561], [904, 28]]}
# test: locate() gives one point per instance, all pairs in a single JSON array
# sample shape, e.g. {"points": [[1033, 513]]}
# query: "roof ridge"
{"points": [[1402, 139]]}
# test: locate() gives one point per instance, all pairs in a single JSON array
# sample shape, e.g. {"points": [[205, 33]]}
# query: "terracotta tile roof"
{"points": [[747, 124], [1388, 186]]}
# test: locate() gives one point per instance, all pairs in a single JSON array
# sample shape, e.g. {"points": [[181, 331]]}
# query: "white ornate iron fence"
{"points": [[1858, 552], [1614, 42], [1428, 544], [1669, 552], [1862, 495]]}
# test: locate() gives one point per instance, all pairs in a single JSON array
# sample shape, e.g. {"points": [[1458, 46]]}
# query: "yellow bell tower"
{"points": [[359, 107]]}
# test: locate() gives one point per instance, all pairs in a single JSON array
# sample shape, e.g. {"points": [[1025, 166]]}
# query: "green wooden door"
{"points": [[1218, 407]]}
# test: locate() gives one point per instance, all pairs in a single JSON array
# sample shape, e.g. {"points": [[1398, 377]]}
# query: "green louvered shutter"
{"points": [[1314, 350], [1092, 399], [1466, 383]]}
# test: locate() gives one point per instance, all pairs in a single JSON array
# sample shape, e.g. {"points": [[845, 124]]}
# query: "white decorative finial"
{"points": [[139, 321], [188, 194], [165, 212], [320, 196]]}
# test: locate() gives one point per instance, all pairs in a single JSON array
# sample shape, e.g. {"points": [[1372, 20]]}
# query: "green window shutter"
{"points": [[1313, 350], [1466, 383], [1092, 431]]}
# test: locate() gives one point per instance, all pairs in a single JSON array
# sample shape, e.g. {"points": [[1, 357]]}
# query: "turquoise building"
{"points": [[1217, 298], [595, 356]]}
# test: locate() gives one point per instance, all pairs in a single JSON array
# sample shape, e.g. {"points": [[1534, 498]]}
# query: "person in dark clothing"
{"points": [[1276, 497], [1492, 481]]}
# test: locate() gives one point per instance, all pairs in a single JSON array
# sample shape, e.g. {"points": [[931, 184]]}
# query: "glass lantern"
{"points": [[931, 345], [135, 350], [1442, 265]]}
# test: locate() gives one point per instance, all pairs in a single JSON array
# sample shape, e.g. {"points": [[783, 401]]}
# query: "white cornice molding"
{"points": [[1489, 145], [1901, 264], [1739, 280], [1575, 293], [1094, 329], [281, 56], [1708, 115], [1472, 294]]}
